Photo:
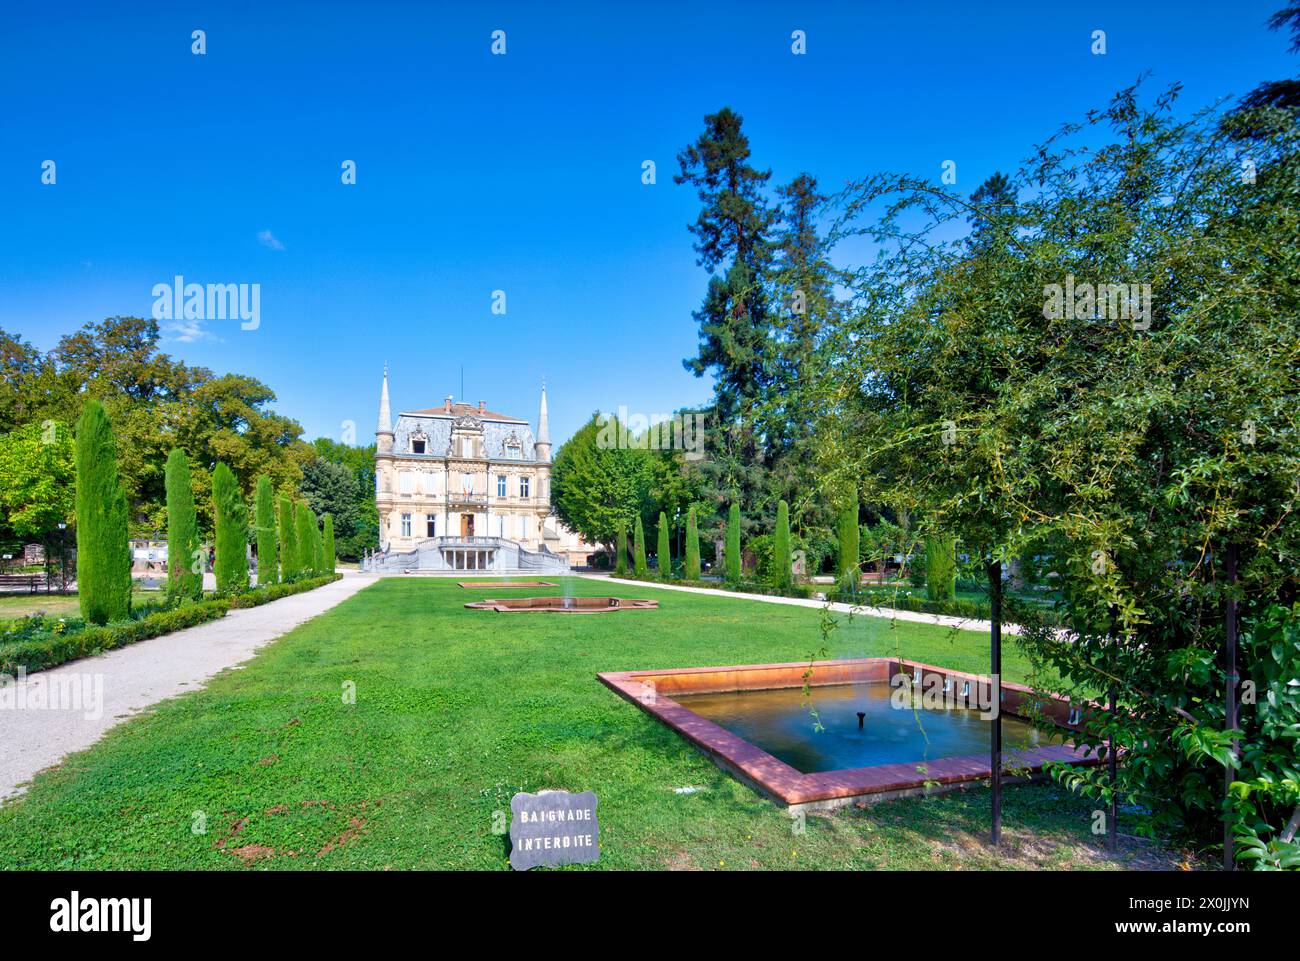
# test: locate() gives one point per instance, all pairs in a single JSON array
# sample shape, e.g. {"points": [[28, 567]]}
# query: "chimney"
{"points": [[482, 405], [446, 404]]}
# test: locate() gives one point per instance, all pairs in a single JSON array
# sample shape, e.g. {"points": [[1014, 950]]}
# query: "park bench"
{"points": [[17, 582]]}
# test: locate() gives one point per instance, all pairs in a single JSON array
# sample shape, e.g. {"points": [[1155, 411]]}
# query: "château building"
{"points": [[463, 488]]}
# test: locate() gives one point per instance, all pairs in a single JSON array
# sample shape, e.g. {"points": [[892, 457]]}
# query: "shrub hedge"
{"points": [[45, 642]]}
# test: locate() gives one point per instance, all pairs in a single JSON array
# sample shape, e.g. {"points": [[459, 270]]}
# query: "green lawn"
{"points": [[456, 711], [21, 604]]}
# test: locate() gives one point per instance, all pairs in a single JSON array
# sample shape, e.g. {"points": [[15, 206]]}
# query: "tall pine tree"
{"points": [[103, 544], [305, 554], [732, 556], [638, 547], [230, 514], [265, 525], [289, 566], [183, 582], [691, 570], [663, 550]]}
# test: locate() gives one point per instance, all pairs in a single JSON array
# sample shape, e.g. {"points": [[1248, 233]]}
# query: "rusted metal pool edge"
{"points": [[651, 691]]}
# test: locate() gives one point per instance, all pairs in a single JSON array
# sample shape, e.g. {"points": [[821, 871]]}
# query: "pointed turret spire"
{"points": [[385, 412], [543, 422], [542, 449]]}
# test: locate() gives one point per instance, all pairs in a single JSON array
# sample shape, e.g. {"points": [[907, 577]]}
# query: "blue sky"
{"points": [[519, 173]]}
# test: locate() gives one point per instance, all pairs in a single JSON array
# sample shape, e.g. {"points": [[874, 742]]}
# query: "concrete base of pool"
{"points": [[743, 716]]}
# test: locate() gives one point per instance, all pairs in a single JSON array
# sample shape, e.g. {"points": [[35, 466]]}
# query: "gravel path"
{"points": [[97, 693], [920, 617]]}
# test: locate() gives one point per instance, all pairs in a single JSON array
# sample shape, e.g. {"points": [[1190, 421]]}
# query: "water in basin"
{"points": [[779, 722]]}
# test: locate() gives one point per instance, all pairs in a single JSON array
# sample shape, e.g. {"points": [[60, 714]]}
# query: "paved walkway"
{"points": [[942, 620], [97, 693]]}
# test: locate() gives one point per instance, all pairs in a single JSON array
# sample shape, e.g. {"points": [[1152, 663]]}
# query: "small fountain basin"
{"points": [[564, 605]]}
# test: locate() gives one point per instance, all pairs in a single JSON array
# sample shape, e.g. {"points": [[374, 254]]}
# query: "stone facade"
{"points": [[467, 488]]}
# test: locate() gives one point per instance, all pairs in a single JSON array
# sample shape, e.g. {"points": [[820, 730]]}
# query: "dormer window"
{"points": [[419, 442], [417, 447]]}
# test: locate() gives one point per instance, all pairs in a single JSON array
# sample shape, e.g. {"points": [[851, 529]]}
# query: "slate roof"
{"points": [[437, 423]]}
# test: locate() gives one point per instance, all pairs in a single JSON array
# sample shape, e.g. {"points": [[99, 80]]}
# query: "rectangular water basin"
{"points": [[755, 722]]}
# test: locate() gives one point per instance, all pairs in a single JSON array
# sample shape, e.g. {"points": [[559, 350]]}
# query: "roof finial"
{"points": [[385, 425]]}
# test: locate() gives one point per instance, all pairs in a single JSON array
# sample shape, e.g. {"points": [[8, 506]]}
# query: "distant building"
{"points": [[460, 487]]}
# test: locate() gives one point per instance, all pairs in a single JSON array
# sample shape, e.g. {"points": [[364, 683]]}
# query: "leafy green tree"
{"points": [[360, 530], [1125, 405], [231, 513], [663, 551], [691, 570], [599, 478], [103, 545], [620, 551], [37, 480], [183, 582], [940, 568], [266, 546], [328, 556], [732, 556], [639, 565], [290, 567], [781, 574], [305, 554]]}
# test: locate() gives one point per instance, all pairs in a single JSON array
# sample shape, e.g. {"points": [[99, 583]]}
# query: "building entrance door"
{"points": [[466, 525]]}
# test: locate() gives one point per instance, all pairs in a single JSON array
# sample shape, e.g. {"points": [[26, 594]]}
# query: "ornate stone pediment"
{"points": [[467, 422]]}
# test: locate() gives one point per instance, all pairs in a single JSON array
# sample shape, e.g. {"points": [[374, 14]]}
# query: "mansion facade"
{"points": [[460, 487]]}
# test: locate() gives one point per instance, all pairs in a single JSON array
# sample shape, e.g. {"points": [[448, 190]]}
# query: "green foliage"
{"points": [[183, 581], [103, 548], [37, 481], [849, 570], [1133, 443], [231, 515], [58, 642], [620, 549], [639, 565], [941, 568], [288, 530], [305, 553], [267, 567], [691, 569], [156, 403], [663, 552], [781, 574], [328, 558], [732, 555], [356, 528]]}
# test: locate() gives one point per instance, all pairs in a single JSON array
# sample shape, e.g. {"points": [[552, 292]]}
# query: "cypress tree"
{"points": [[850, 573], [230, 515], [638, 546], [182, 530], [941, 568], [664, 550], [288, 541], [305, 556], [318, 546], [266, 561], [692, 567], [781, 547], [620, 551], [103, 543], [330, 557], [733, 545]]}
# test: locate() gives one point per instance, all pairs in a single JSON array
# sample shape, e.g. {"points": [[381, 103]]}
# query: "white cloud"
{"points": [[268, 239], [186, 331]]}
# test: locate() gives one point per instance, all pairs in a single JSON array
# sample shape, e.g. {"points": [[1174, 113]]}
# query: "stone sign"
{"points": [[552, 828]]}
